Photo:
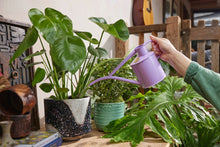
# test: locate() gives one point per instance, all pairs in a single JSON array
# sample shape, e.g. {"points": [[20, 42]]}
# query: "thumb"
{"points": [[153, 38]]}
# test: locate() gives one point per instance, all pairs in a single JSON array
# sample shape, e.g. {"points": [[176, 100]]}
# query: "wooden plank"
{"points": [[201, 46], [121, 47], [14, 23], [187, 5], [204, 6], [186, 40], [141, 38], [215, 51], [208, 33], [147, 29], [173, 31]]}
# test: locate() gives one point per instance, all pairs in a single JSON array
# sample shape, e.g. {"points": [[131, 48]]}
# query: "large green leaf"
{"points": [[171, 84], [68, 52], [43, 24], [62, 22], [132, 132], [119, 29], [29, 40]]}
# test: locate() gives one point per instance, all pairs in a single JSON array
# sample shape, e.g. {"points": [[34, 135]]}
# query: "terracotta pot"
{"points": [[71, 117], [18, 99]]}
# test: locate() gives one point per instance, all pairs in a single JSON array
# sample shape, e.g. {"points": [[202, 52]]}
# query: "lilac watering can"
{"points": [[146, 67]]}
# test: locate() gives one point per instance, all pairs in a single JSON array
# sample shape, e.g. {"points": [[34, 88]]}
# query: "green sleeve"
{"points": [[204, 81]]}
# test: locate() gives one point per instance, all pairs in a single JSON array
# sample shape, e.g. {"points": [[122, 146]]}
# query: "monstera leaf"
{"points": [[69, 53], [118, 29], [178, 115]]}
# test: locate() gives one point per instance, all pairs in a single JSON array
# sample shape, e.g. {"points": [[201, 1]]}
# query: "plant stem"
{"points": [[101, 38]]}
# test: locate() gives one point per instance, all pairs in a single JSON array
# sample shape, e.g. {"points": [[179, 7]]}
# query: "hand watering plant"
{"points": [[68, 53]]}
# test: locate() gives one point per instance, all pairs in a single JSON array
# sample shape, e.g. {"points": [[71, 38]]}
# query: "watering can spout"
{"points": [[146, 67], [116, 78]]}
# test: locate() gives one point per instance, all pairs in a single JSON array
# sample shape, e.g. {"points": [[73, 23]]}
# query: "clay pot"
{"points": [[18, 99]]}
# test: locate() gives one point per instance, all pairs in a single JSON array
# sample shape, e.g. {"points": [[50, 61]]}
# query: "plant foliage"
{"points": [[110, 90], [176, 116], [69, 55]]}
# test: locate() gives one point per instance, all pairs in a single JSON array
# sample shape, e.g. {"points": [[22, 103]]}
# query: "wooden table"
{"points": [[93, 139]]}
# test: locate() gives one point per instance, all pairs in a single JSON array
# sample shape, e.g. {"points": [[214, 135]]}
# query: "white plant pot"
{"points": [[70, 117]]}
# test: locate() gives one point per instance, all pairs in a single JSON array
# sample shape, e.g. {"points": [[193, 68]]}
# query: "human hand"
{"points": [[163, 48]]}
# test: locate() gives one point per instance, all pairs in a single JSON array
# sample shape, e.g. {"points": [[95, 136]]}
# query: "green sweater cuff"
{"points": [[191, 72]]}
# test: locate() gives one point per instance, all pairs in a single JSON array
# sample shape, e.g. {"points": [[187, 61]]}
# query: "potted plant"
{"points": [[173, 111], [110, 94], [69, 62]]}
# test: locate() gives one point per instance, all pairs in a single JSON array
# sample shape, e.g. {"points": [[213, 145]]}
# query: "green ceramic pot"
{"points": [[104, 113]]}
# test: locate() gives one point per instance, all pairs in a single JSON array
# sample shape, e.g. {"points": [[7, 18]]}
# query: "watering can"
{"points": [[146, 67]]}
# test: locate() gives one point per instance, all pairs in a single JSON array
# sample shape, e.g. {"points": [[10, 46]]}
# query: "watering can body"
{"points": [[148, 70], [145, 66]]}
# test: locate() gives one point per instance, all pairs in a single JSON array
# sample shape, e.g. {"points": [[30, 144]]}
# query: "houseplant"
{"points": [[173, 112], [71, 64], [110, 93]]}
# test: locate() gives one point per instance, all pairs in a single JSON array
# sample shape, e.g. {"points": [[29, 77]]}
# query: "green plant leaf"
{"points": [[87, 36], [208, 136], [35, 54], [93, 51], [62, 22], [29, 40], [171, 84], [102, 52], [43, 24], [39, 76], [35, 63], [132, 132], [64, 90], [100, 21], [46, 87], [119, 29], [69, 53]]}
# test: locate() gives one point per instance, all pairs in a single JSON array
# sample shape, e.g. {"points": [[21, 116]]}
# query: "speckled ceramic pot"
{"points": [[71, 117], [104, 113]]}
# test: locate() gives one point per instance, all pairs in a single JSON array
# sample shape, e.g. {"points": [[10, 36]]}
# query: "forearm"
{"points": [[179, 62]]}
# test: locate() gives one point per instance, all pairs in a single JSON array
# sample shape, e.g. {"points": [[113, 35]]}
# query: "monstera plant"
{"points": [[69, 55], [172, 111], [68, 66]]}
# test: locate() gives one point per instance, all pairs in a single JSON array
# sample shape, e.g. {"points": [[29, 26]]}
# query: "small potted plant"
{"points": [[67, 68], [110, 94]]}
